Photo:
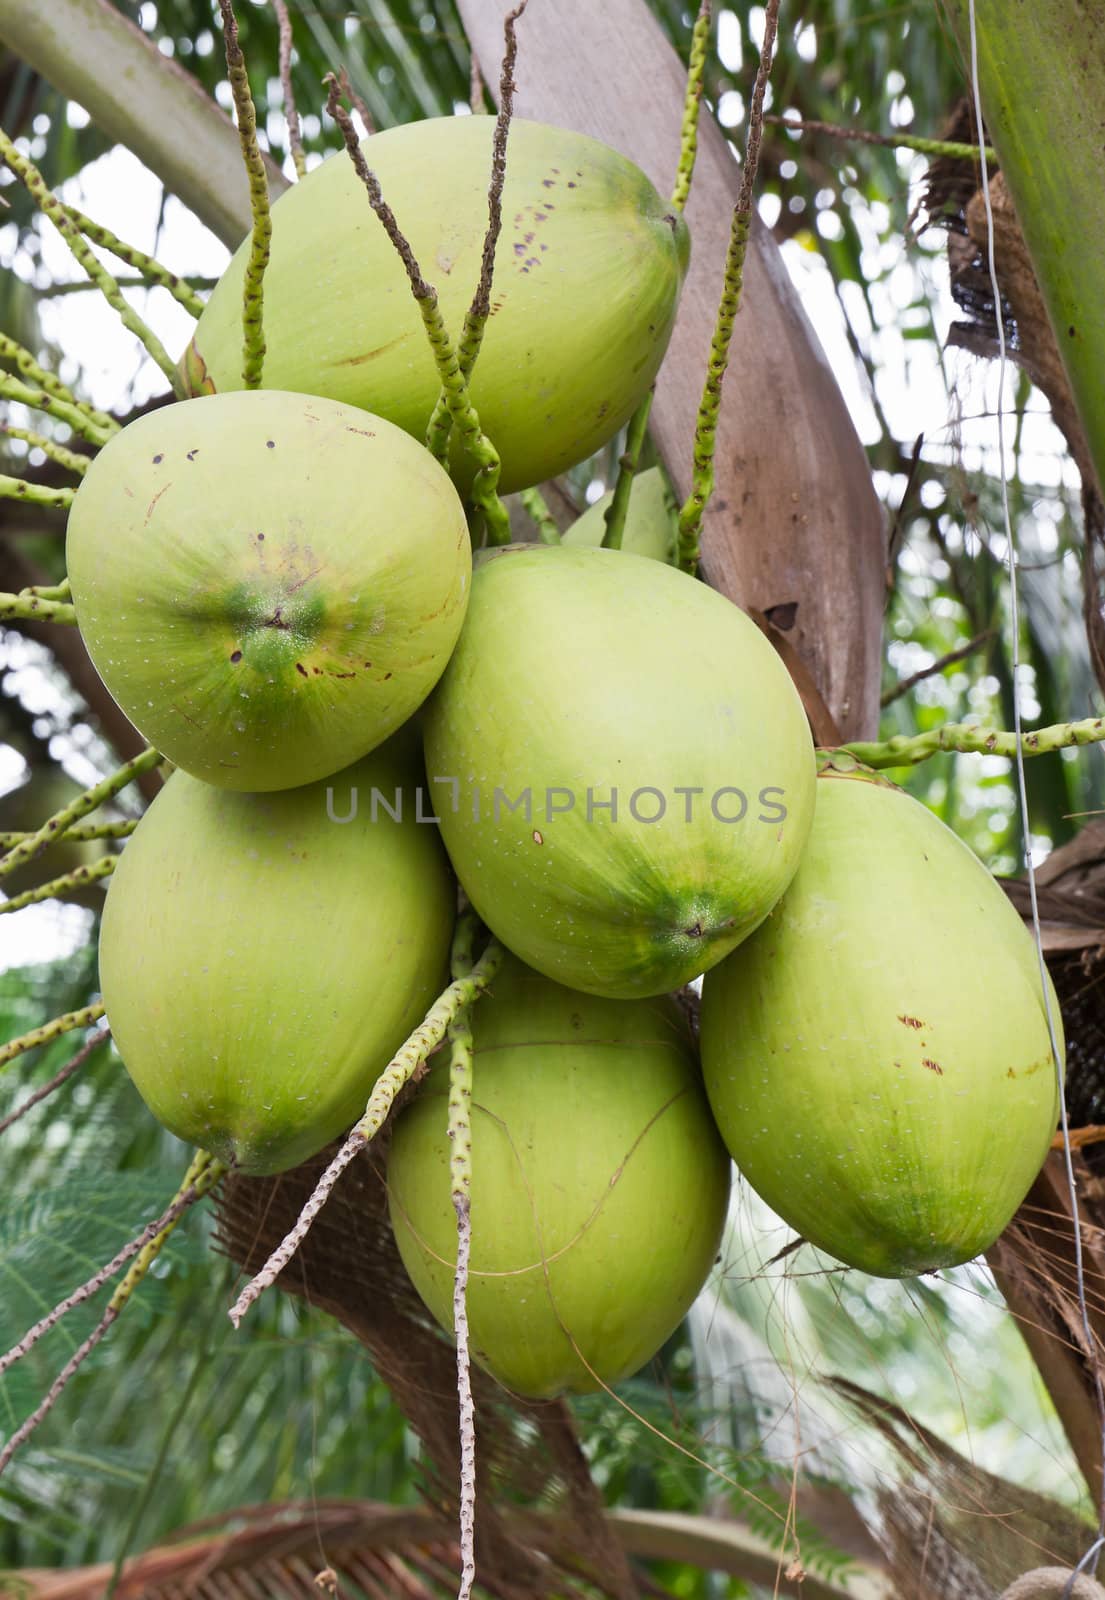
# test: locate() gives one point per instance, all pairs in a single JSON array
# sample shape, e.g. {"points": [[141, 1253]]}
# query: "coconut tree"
{"points": [[794, 532]]}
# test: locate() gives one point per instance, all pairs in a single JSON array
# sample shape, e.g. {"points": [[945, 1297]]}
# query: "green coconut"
{"points": [[650, 528], [263, 956], [877, 1056], [599, 1185], [269, 584], [621, 766], [587, 275]]}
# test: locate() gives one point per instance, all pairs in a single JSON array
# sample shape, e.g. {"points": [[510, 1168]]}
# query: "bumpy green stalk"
{"points": [[57, 888], [49, 447], [692, 104], [705, 433], [148, 270], [57, 826], [27, 607], [475, 321], [688, 151], [404, 1065], [49, 204], [1041, 71], [49, 591], [84, 1018], [34, 494], [39, 377], [78, 835], [477, 445], [966, 739], [79, 418], [460, 993], [892, 141], [627, 467], [453, 383], [542, 518], [253, 299], [202, 1176], [58, 291]]}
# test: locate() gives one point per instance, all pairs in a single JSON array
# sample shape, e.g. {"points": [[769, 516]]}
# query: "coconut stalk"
{"points": [[88, 50], [1041, 71]]}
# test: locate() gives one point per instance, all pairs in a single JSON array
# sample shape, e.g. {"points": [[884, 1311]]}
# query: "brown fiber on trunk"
{"points": [[349, 1265]]}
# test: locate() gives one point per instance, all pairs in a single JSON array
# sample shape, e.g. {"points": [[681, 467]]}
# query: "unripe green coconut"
{"points": [[877, 1055], [650, 526], [599, 1185], [269, 584], [587, 276], [586, 680], [261, 958]]}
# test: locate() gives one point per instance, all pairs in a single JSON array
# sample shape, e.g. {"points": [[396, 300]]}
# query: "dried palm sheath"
{"points": [[953, 200], [528, 1453], [951, 1530]]}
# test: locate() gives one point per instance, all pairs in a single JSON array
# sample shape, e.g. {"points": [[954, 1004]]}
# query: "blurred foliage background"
{"points": [[175, 1417]]}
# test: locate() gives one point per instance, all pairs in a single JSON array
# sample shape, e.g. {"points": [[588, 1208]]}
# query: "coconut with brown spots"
{"points": [[588, 271], [269, 584], [877, 1054]]}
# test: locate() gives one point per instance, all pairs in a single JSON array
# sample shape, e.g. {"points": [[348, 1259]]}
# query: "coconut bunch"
{"points": [[277, 584]]}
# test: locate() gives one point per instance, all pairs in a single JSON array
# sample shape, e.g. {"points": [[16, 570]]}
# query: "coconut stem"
{"points": [[253, 294], [34, 494], [454, 385], [58, 825], [49, 204], [57, 888], [38, 377], [399, 1071], [26, 606], [92, 830], [74, 1064], [357, 101], [49, 447], [149, 270], [460, 1171], [705, 433], [291, 110], [475, 321], [893, 141], [543, 519], [692, 105], [84, 1018], [616, 511], [40, 398], [203, 1173], [49, 591], [966, 739]]}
